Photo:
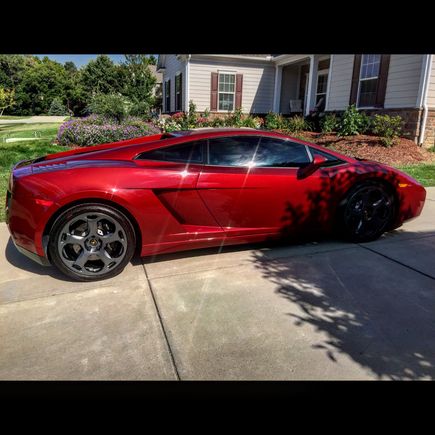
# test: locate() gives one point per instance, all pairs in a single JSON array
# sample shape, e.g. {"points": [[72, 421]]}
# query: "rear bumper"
{"points": [[43, 261]]}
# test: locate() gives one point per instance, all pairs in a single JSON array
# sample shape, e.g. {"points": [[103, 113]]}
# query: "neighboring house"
{"points": [[397, 84]]}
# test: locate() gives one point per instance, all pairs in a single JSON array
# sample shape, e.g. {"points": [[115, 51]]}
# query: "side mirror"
{"points": [[312, 167]]}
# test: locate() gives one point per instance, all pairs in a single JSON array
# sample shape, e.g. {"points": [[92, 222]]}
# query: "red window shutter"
{"points": [[355, 79], [214, 92], [239, 87], [382, 82]]}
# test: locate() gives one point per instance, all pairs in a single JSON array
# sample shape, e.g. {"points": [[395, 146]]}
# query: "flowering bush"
{"points": [[94, 130]]}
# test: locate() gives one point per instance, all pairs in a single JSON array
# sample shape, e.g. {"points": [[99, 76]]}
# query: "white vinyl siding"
{"points": [[402, 83], [172, 67], [258, 83], [340, 70], [403, 80], [431, 90]]}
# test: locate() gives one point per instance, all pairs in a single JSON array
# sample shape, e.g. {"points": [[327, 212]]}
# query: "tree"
{"points": [[138, 81], [57, 108], [12, 67], [39, 85], [70, 67], [152, 59], [6, 99], [100, 76]]}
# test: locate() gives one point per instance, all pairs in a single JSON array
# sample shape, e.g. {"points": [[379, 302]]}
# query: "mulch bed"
{"points": [[403, 152]]}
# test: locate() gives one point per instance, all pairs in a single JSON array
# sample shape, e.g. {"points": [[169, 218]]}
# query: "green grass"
{"points": [[423, 173], [47, 130], [13, 152]]}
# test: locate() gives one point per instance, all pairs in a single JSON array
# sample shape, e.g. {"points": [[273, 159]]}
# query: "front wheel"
{"points": [[91, 242], [367, 212]]}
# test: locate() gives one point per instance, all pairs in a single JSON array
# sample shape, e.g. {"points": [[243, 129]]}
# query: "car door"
{"points": [[253, 184], [172, 173]]}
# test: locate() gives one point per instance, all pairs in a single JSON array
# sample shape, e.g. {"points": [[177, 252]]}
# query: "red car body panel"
{"points": [[179, 206]]}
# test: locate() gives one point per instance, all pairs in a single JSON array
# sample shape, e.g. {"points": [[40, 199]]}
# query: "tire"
{"points": [[366, 212], [91, 242]]}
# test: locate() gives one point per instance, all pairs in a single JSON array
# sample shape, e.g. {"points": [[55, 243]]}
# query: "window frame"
{"points": [[167, 95], [207, 155], [179, 93], [377, 78], [233, 73], [322, 72]]}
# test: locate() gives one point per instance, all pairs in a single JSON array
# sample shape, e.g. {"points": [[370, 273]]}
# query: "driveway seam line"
{"points": [[249, 261], [174, 365], [398, 262]]}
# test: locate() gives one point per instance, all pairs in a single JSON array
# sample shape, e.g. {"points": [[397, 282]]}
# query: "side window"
{"points": [[329, 158], [232, 151], [281, 153], [191, 152]]}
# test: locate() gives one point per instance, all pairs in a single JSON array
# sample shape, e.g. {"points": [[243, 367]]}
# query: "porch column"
{"points": [[312, 81], [277, 90]]}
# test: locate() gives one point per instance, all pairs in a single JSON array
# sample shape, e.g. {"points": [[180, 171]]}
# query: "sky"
{"points": [[79, 59]]}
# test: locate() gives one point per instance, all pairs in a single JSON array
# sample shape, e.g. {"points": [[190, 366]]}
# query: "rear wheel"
{"points": [[367, 212], [91, 242]]}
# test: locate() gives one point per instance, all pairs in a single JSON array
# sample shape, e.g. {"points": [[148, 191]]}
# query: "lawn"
{"points": [[424, 173], [41, 137]]}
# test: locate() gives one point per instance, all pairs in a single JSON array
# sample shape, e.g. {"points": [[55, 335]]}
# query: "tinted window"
{"points": [[191, 152], [232, 151], [280, 153]]}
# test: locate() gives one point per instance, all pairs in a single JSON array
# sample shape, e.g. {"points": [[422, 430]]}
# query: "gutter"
{"points": [[423, 96]]}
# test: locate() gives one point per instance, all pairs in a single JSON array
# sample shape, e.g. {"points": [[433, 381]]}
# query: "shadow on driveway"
{"points": [[375, 310], [20, 261]]}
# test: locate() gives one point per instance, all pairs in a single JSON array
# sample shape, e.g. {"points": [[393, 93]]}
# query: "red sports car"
{"points": [[87, 211]]}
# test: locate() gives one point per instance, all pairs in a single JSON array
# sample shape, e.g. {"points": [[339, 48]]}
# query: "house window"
{"points": [[368, 80], [167, 96], [178, 91], [322, 85], [227, 90]]}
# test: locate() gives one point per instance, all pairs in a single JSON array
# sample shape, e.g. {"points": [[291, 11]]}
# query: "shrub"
{"points": [[329, 123], [296, 124], [366, 123], [252, 122], [95, 130], [113, 106], [140, 108], [352, 122], [235, 119], [218, 122], [57, 108], [274, 121], [388, 128]]}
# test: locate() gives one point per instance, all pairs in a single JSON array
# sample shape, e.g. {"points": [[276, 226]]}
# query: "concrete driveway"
{"points": [[324, 310], [33, 120]]}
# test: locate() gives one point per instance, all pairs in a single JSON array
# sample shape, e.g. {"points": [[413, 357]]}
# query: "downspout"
{"points": [[423, 99], [187, 83]]}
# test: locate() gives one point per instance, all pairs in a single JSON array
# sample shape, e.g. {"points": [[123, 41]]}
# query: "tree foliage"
{"points": [[37, 82], [6, 99]]}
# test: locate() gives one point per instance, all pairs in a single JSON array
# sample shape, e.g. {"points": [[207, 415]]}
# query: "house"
{"points": [[396, 84]]}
